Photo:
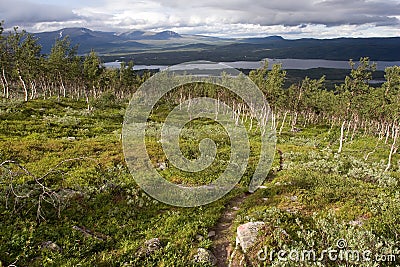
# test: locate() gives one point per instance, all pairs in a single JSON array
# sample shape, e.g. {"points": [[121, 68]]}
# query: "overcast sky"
{"points": [[222, 18]]}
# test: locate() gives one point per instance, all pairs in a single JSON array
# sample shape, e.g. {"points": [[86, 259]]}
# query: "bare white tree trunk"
{"points": [[216, 109], [273, 118], [387, 133], [348, 129], [5, 84], [63, 87], [24, 86], [294, 121], [381, 130], [283, 122], [237, 114], [341, 137], [369, 153], [354, 131], [87, 100], [189, 105], [33, 90], [332, 124], [378, 131], [4, 87], [181, 100], [392, 149]]}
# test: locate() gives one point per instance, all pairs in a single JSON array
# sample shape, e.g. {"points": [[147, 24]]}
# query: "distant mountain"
{"points": [[169, 47], [132, 35], [142, 35], [102, 42], [165, 35], [262, 40]]}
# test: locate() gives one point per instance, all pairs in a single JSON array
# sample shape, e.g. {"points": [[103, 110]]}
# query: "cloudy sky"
{"points": [[222, 18]]}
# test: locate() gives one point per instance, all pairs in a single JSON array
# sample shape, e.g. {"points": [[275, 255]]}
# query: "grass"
{"points": [[320, 197], [317, 198], [105, 198]]}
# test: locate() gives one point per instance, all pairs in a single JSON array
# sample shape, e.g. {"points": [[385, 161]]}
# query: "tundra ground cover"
{"points": [[78, 180]]}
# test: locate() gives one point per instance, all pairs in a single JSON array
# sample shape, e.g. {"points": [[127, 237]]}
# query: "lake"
{"points": [[300, 64]]}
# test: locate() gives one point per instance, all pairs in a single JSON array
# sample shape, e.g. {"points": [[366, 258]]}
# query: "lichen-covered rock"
{"points": [[50, 246], [149, 247], [199, 238], [162, 166], [204, 256], [247, 234], [211, 234]]}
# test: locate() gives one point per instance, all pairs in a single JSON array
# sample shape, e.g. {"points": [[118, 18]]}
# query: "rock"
{"points": [[247, 234], [292, 211], [153, 244], [356, 223], [71, 138], [162, 166], [149, 247], [51, 246], [199, 237], [204, 256], [211, 234]]}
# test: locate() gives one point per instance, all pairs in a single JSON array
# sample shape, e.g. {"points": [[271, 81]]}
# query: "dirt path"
{"points": [[222, 248]]}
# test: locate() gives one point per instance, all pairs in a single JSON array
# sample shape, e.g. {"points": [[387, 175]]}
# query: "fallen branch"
{"points": [[44, 193]]}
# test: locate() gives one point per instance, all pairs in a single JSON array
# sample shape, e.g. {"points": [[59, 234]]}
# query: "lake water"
{"points": [[300, 64]]}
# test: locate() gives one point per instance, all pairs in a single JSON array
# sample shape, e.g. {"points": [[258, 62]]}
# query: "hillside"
{"points": [[169, 47]]}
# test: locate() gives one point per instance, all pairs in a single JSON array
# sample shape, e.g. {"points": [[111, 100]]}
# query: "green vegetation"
{"points": [[319, 193], [321, 196], [82, 182], [67, 197]]}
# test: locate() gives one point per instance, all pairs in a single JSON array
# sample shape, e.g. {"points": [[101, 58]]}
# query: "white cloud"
{"points": [[301, 18]]}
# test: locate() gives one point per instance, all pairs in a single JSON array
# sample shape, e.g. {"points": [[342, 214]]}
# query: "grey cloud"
{"points": [[204, 16], [290, 12], [27, 13]]}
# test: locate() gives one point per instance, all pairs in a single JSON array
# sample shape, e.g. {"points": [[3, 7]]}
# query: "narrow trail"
{"points": [[222, 247]]}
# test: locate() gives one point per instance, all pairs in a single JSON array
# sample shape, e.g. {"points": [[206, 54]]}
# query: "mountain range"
{"points": [[168, 47]]}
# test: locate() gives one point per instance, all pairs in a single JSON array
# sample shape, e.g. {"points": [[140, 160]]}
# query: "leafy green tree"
{"points": [[26, 54], [126, 74], [270, 83], [392, 93], [92, 70], [274, 85], [258, 76], [4, 63], [60, 59], [312, 89], [356, 87]]}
